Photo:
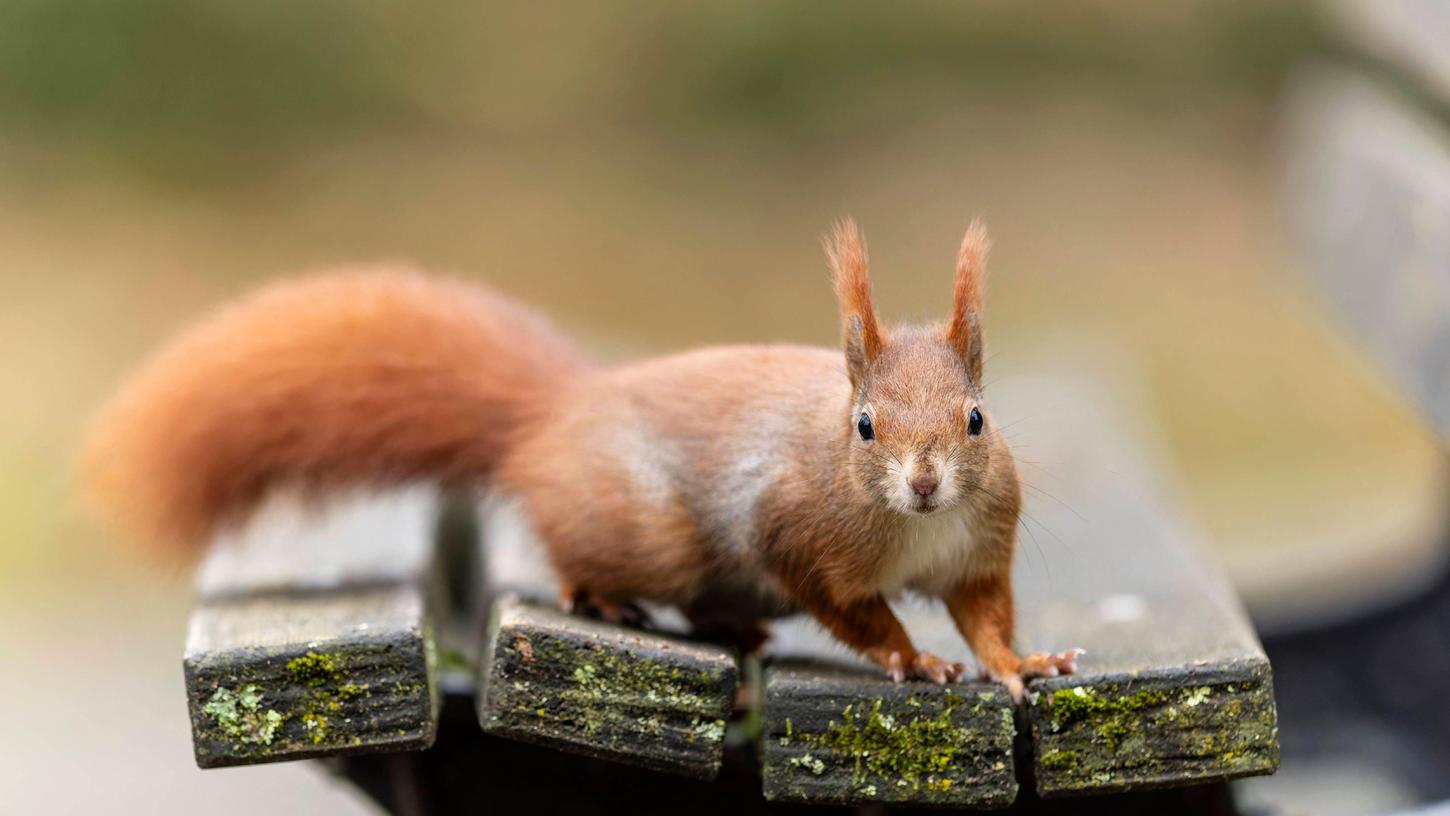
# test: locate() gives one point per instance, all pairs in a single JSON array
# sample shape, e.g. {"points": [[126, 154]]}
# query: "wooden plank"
{"points": [[1174, 687], [837, 730], [845, 734], [605, 691], [361, 540], [312, 634], [1369, 189], [678, 719]]}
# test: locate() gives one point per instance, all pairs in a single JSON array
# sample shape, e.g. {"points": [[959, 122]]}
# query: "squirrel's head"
{"points": [[919, 433]]}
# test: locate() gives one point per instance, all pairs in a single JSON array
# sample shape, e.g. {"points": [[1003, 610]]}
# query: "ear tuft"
{"points": [[846, 250], [964, 330]]}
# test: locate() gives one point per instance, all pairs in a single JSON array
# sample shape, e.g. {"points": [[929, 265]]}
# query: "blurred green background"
{"points": [[655, 176]]}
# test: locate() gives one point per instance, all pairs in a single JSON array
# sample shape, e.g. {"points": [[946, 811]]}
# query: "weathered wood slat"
{"points": [[360, 540], [1174, 687], [312, 634], [602, 690], [849, 735], [645, 698], [1369, 186], [836, 729]]}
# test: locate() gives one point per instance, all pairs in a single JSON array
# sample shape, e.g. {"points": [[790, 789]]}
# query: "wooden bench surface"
{"points": [[299, 649], [844, 734], [601, 690], [312, 633], [1174, 686]]}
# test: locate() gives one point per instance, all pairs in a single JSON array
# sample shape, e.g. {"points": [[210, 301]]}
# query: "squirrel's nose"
{"points": [[925, 484]]}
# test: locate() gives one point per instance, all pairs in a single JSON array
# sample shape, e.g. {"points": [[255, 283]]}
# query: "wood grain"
{"points": [[848, 735], [605, 691]]}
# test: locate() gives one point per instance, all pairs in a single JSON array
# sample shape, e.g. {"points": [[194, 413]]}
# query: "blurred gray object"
{"points": [[1367, 147]]}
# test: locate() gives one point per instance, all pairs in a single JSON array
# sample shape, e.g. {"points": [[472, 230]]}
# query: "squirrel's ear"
{"points": [[964, 331], [846, 249]]}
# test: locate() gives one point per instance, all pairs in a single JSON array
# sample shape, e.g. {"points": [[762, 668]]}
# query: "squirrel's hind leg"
{"points": [[747, 636], [730, 618]]}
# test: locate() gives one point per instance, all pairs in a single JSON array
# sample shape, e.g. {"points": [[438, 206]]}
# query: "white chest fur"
{"points": [[933, 553]]}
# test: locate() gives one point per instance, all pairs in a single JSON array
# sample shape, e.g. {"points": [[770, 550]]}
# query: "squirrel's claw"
{"points": [[1015, 687], [1013, 681], [1046, 664], [1037, 664], [895, 668], [930, 667], [923, 666]]}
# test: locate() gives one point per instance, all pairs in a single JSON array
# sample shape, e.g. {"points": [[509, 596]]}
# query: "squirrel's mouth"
{"points": [[925, 507]]}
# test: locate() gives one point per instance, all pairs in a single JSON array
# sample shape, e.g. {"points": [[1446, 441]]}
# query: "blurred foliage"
{"points": [[178, 88], [791, 61], [173, 84]]}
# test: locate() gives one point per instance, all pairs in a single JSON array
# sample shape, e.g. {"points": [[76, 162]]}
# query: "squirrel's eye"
{"points": [[863, 425], [974, 422]]}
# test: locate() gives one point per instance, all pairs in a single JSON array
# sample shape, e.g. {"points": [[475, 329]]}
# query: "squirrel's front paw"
{"points": [[890, 661], [1012, 681], [1037, 664], [921, 665], [1046, 664], [930, 667]]}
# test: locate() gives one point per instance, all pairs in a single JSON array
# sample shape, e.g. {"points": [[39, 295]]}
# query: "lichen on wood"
{"points": [[262, 705], [313, 637], [1164, 728], [240, 715], [606, 691], [841, 736]]}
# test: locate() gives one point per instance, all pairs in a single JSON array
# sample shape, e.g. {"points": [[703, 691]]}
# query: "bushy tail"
{"points": [[358, 378]]}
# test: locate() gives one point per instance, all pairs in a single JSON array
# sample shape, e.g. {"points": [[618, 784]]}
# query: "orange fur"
{"points": [[964, 330], [861, 332], [370, 377]]}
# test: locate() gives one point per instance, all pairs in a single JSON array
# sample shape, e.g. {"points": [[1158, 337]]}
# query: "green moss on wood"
{"points": [[328, 692], [610, 696], [910, 752], [324, 699], [240, 716], [1112, 736], [874, 741], [810, 763], [315, 669], [1112, 732], [1079, 703], [316, 692], [1059, 760]]}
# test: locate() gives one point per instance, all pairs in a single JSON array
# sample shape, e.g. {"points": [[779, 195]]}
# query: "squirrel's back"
{"points": [[656, 479], [374, 376]]}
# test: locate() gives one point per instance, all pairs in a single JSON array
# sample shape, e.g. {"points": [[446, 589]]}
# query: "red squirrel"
{"points": [[736, 483]]}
